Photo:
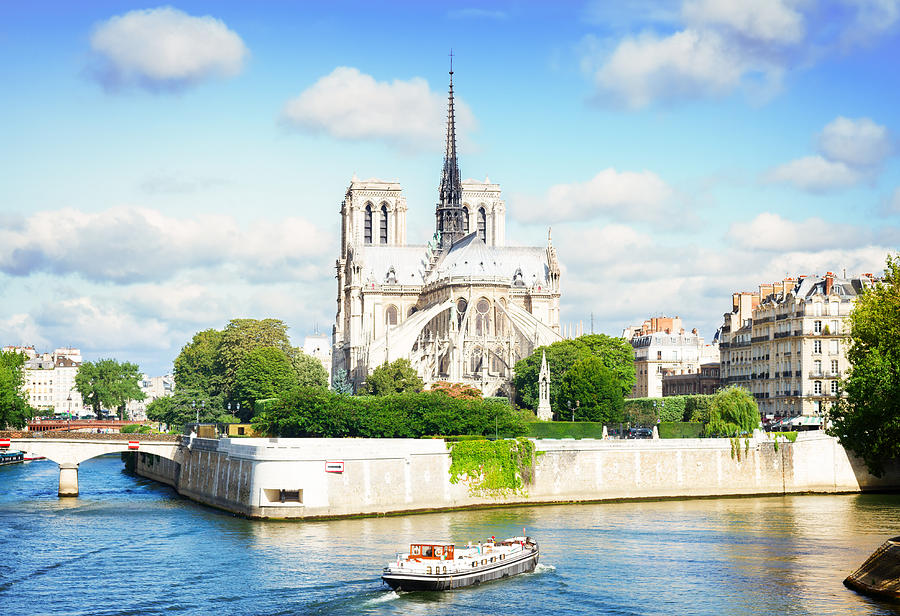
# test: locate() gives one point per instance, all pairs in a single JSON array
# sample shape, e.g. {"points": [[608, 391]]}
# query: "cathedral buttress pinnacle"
{"points": [[449, 208]]}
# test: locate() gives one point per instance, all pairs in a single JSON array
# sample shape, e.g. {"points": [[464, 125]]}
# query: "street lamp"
{"points": [[69, 413]]}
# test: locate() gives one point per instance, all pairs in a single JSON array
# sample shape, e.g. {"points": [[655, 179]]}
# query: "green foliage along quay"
{"points": [[867, 419], [647, 411], [14, 408], [318, 412], [108, 384], [732, 412], [177, 410], [493, 469], [615, 353]]}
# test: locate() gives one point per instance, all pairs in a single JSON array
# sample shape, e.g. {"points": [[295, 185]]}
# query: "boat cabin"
{"points": [[431, 551]]}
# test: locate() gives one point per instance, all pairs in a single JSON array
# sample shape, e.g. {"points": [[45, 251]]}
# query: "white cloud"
{"points": [[858, 143], [164, 48], [869, 19], [684, 65], [815, 174], [771, 21], [851, 151], [625, 195], [348, 104], [771, 232], [131, 244]]}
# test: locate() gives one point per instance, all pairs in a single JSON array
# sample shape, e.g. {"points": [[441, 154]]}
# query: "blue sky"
{"points": [[165, 168]]}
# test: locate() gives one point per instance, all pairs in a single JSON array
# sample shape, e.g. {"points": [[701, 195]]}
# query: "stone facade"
{"points": [[50, 380], [462, 307], [706, 381], [790, 352]]}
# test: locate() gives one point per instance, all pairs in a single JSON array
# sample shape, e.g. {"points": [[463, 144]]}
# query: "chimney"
{"points": [[829, 282]]}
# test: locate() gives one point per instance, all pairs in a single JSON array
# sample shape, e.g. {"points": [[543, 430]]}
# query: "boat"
{"points": [[879, 576], [444, 566], [11, 457]]}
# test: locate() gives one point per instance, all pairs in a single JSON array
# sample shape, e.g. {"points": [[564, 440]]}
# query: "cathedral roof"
{"points": [[470, 257], [406, 263]]}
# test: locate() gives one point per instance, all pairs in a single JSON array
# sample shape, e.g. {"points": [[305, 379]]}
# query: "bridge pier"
{"points": [[68, 479]]}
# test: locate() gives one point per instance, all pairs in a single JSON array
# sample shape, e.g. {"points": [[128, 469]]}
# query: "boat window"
{"points": [[445, 569], [438, 551], [415, 550], [428, 552]]}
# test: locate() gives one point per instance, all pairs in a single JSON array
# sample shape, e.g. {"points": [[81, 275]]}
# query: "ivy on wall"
{"points": [[493, 469]]}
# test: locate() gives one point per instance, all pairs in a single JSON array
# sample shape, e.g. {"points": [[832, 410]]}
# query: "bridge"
{"points": [[72, 449]]}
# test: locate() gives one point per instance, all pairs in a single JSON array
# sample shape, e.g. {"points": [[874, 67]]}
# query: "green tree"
{"points": [[616, 354], [396, 377], [14, 409], [108, 384], [185, 405], [732, 412], [199, 364], [340, 384], [264, 372], [241, 336], [591, 391], [867, 420], [310, 371]]}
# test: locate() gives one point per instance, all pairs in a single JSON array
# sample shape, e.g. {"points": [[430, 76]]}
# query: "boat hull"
{"points": [[448, 581]]}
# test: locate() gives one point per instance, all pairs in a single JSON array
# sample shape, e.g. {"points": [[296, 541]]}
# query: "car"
{"points": [[639, 433]]}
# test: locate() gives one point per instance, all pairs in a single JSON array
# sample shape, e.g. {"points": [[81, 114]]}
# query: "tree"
{"points": [[396, 377], [592, 391], [616, 354], [867, 420], [310, 371], [732, 412], [242, 336], [109, 384], [199, 365], [264, 372], [457, 390], [340, 384], [184, 407], [14, 409]]}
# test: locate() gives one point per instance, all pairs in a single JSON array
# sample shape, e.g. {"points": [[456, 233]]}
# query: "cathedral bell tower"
{"points": [[449, 213]]}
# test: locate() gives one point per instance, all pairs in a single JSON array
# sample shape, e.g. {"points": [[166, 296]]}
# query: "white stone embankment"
{"points": [[290, 478]]}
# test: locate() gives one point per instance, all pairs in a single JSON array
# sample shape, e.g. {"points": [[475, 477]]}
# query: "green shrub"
{"points": [[680, 429], [135, 429], [646, 411], [566, 429], [493, 468], [318, 412]]}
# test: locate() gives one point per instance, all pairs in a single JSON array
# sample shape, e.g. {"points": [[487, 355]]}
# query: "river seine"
{"points": [[131, 546]]}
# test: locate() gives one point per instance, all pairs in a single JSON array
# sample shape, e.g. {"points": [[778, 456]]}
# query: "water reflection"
{"points": [[129, 545]]}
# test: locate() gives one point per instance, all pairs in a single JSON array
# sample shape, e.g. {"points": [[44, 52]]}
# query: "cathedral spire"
{"points": [[449, 208]]}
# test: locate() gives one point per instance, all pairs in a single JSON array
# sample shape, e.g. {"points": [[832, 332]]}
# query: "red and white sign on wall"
{"points": [[133, 444], [4, 443], [334, 467]]}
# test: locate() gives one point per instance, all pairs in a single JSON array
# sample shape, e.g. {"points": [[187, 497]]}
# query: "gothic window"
{"points": [[482, 224], [368, 225], [482, 319], [465, 220], [461, 306], [383, 224], [412, 311], [390, 315]]}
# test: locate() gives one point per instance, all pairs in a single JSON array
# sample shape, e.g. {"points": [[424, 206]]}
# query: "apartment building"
{"points": [[49, 379], [791, 350]]}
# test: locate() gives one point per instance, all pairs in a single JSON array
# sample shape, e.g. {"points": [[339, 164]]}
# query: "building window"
{"points": [[817, 327], [817, 346], [482, 224], [833, 347], [834, 388], [833, 308], [817, 366], [383, 224], [834, 366], [817, 309], [466, 220], [817, 388], [368, 225], [390, 315]]}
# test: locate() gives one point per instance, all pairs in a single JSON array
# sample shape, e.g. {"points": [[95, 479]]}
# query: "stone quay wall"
{"points": [[299, 478]]}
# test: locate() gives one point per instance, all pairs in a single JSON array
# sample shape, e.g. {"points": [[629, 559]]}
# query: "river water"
{"points": [[130, 546]]}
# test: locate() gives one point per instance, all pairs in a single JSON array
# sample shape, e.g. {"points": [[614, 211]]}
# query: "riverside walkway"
{"points": [[69, 450]]}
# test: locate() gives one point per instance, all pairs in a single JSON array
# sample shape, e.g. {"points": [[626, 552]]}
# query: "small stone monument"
{"points": [[544, 411]]}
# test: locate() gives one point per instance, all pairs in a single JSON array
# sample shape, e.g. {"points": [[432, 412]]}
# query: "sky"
{"points": [[166, 168]]}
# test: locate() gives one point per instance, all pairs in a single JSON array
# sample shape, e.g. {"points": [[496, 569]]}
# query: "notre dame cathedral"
{"points": [[464, 307]]}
